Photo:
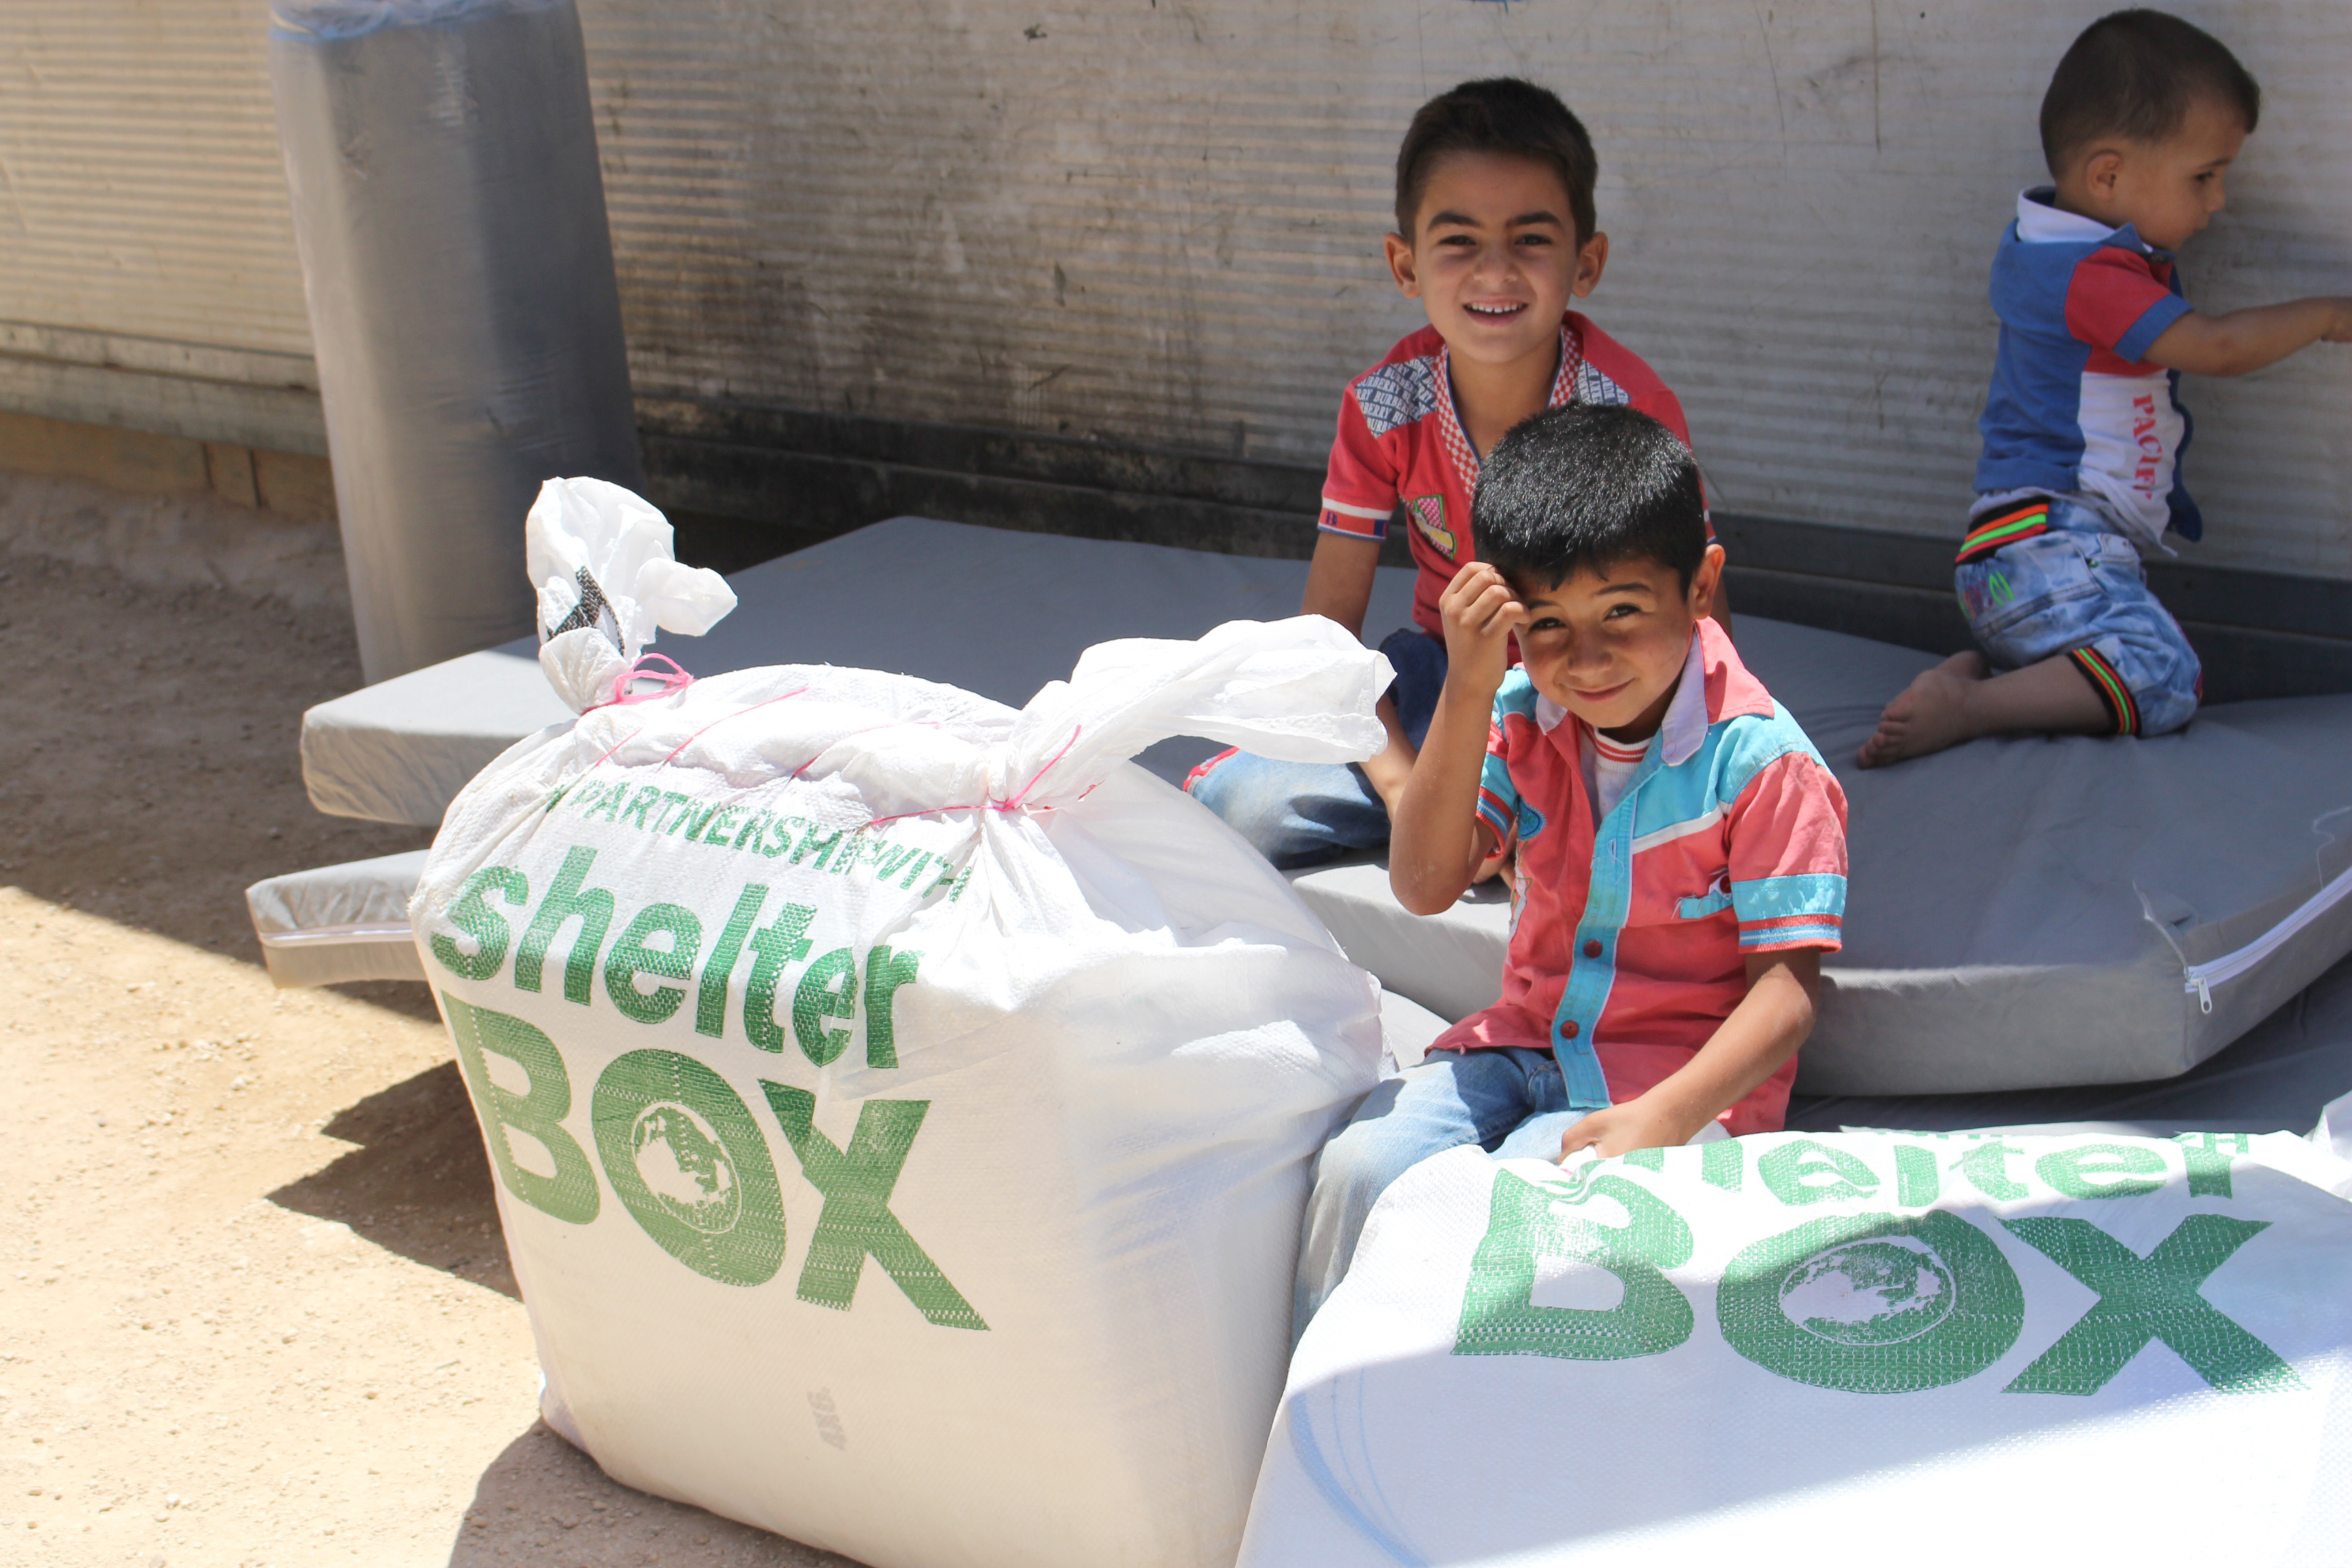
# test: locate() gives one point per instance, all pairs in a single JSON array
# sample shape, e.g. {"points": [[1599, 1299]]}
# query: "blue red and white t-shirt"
{"points": [[1400, 441], [2075, 409], [1632, 926]]}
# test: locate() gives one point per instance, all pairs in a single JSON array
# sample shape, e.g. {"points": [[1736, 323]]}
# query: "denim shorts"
{"points": [[2080, 590]]}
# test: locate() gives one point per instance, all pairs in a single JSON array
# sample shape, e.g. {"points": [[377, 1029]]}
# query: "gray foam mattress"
{"points": [[2024, 913], [2275, 1078], [994, 612], [334, 924], [2021, 913], [351, 923]]}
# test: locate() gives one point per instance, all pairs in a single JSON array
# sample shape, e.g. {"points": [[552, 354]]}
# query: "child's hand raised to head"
{"points": [[1437, 845], [1480, 611]]}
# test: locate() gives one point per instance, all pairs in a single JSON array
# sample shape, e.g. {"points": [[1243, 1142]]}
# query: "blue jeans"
{"points": [[1300, 814], [1509, 1101], [2080, 590]]}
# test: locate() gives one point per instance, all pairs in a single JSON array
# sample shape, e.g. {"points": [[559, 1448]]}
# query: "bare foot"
{"points": [[1929, 715]]}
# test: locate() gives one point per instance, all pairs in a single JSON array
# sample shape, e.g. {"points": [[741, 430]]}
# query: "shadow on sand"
{"points": [[418, 1183], [544, 1502]]}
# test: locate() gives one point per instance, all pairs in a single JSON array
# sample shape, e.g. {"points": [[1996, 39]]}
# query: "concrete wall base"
{"points": [[170, 511], [178, 541]]}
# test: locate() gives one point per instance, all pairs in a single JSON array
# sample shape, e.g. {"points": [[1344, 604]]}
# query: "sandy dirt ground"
{"points": [[254, 1305]]}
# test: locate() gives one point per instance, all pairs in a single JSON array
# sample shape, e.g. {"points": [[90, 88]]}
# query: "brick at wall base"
{"points": [[184, 539], [277, 487]]}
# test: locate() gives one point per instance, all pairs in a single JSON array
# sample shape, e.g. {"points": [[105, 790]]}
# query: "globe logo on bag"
{"points": [[679, 1157], [1877, 1292]]}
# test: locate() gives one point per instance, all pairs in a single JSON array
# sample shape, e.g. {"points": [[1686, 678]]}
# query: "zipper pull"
{"points": [[2204, 991]]}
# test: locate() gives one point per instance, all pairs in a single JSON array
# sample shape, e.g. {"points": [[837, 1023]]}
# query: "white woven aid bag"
{"points": [[1881, 1347], [902, 1105]]}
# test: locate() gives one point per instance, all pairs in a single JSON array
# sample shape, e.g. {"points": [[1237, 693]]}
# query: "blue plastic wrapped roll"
{"points": [[450, 213]]}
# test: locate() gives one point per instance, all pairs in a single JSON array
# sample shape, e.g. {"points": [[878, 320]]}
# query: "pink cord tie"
{"points": [[1013, 804], [755, 707], [673, 682], [679, 680]]}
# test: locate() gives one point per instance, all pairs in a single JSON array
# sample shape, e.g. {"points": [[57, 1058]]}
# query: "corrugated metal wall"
{"points": [[140, 191], [147, 270], [1158, 222]]}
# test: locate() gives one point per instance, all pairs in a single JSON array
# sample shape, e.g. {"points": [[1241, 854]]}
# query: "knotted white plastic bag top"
{"points": [[603, 561], [1298, 690]]}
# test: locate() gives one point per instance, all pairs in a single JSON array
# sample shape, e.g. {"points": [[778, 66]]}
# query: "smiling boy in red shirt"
{"points": [[1495, 235], [1680, 844]]}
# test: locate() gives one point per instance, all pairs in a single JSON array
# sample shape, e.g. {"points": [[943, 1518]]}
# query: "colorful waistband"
{"points": [[2007, 529]]}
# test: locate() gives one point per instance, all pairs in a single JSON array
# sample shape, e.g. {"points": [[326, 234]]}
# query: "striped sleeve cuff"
{"points": [[2153, 323], [1357, 522], [1497, 814], [1806, 910], [1824, 932]]}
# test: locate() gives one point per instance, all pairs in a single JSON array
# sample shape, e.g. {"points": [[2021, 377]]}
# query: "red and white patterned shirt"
{"points": [[1400, 441], [1633, 925]]}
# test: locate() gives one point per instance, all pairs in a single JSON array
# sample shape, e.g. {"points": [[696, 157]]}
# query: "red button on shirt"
{"points": [[1567, 1030], [1593, 948]]}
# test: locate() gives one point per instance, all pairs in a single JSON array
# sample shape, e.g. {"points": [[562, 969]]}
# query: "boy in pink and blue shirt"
{"points": [[1631, 928], [1678, 846]]}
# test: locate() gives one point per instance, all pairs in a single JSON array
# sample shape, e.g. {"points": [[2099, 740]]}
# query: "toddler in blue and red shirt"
{"points": [[2083, 430]]}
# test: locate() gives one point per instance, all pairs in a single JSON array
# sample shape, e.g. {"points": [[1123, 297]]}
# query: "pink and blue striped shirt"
{"points": [[1630, 934]]}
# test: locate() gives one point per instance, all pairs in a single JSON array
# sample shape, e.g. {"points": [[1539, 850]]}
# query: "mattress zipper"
{"points": [[336, 936], [2203, 977]]}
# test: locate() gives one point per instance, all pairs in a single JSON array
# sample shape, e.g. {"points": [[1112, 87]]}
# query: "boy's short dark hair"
{"points": [[2134, 74], [1498, 114], [1585, 487]]}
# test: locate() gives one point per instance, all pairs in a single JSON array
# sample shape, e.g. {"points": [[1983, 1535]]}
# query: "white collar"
{"points": [[1685, 730], [2041, 221], [1685, 726]]}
